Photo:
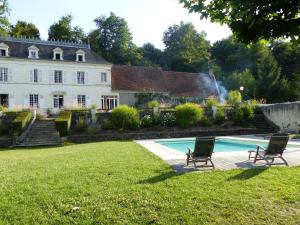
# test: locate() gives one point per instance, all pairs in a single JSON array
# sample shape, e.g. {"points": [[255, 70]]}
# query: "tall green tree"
{"points": [[113, 40], [154, 55], [22, 28], [252, 20], [63, 30], [269, 84], [4, 22], [186, 48]]}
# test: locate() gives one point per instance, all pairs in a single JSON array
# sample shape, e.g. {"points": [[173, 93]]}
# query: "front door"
{"points": [[58, 101], [4, 100]]}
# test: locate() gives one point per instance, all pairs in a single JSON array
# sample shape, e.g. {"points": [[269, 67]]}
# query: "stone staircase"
{"points": [[263, 126], [42, 133]]}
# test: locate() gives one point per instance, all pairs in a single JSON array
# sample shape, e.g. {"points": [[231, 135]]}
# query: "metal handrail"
{"points": [[25, 133]]}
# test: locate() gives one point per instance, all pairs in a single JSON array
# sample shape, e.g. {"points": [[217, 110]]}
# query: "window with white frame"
{"points": [[103, 77], [35, 75], [3, 74], [81, 100], [58, 77], [57, 54], [80, 77], [58, 101], [33, 52], [80, 56], [109, 102], [4, 49], [34, 101]]}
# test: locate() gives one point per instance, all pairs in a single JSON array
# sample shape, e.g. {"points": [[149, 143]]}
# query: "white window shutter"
{"points": [[42, 101], [75, 78], [88, 102], [11, 101], [10, 78], [31, 75], [40, 76], [64, 77], [26, 101], [86, 78], [51, 77], [75, 103]]}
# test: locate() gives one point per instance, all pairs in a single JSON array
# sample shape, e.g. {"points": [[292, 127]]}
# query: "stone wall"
{"points": [[285, 115]]}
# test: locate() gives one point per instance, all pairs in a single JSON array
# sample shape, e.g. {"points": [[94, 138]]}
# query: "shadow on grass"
{"points": [[248, 174], [161, 177]]}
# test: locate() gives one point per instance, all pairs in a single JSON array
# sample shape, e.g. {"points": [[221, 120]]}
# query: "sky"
{"points": [[147, 19]]}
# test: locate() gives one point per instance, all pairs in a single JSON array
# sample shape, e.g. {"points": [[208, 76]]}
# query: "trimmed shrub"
{"points": [[81, 126], [211, 101], [1, 108], [220, 116], [146, 121], [188, 114], [243, 115], [234, 98], [153, 104], [63, 122], [125, 117], [20, 122], [205, 121]]}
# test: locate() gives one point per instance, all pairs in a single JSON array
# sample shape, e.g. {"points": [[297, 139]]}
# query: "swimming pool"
{"points": [[221, 144]]}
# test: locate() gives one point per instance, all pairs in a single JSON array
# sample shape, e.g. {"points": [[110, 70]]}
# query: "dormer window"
{"points": [[80, 56], [3, 50], [33, 52], [57, 54]]}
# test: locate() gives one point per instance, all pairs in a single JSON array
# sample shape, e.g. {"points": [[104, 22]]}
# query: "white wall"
{"points": [[20, 83], [284, 115]]}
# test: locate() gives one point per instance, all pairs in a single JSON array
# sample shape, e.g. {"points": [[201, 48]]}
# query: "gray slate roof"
{"points": [[18, 48]]}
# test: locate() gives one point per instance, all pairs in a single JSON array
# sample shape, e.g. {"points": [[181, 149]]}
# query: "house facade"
{"points": [[53, 75]]}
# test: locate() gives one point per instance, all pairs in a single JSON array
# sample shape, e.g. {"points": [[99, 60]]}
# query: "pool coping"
{"points": [[177, 159]]}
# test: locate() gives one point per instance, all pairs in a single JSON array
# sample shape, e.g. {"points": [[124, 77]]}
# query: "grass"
{"points": [[122, 183]]}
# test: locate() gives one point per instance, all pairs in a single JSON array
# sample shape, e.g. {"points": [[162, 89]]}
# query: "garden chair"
{"points": [[203, 150], [275, 149]]}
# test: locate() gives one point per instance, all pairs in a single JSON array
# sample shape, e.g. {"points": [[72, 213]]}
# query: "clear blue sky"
{"points": [[147, 19]]}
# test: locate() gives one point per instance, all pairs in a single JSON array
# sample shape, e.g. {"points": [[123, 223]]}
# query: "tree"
{"points": [[63, 30], [154, 55], [4, 23], [23, 28], [269, 84], [252, 20], [113, 40], [186, 49], [241, 79]]}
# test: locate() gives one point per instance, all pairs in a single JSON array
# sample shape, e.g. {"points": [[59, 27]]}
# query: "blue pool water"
{"points": [[221, 145]]}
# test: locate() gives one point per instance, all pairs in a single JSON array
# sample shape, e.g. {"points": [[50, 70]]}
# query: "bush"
{"points": [[220, 116], [21, 122], [234, 98], [81, 125], [211, 101], [153, 104], [205, 121], [63, 122], [243, 115], [125, 117], [147, 121], [188, 114], [1, 108], [167, 120]]}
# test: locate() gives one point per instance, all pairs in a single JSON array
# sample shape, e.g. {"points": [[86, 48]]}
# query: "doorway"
{"points": [[4, 100], [58, 101]]}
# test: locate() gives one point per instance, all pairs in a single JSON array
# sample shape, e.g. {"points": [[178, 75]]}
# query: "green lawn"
{"points": [[122, 183]]}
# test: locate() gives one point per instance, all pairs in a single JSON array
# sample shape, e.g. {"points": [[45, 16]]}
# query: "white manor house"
{"points": [[51, 75]]}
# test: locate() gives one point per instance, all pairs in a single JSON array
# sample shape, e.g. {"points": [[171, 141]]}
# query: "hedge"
{"points": [[21, 122], [63, 122]]}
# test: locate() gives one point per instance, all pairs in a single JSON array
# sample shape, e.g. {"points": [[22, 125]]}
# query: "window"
{"points": [[80, 58], [34, 101], [80, 78], [33, 54], [80, 55], [81, 100], [57, 56], [58, 101], [58, 78], [35, 75], [104, 77], [4, 74], [109, 102], [2, 52]]}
